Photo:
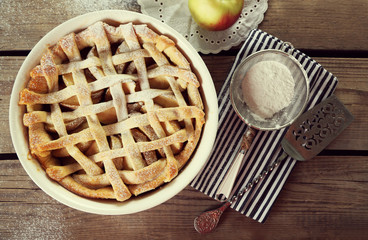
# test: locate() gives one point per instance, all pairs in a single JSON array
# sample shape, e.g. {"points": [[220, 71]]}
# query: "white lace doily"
{"points": [[176, 14]]}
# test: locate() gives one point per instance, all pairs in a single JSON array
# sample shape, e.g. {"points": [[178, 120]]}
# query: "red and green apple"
{"points": [[215, 15]]}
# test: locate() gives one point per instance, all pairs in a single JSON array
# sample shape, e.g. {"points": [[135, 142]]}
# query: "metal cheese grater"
{"points": [[305, 138]]}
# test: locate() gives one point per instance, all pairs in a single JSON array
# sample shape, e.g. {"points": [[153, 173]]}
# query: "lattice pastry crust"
{"points": [[110, 125]]}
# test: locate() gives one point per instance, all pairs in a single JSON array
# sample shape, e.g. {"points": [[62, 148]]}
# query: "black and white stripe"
{"points": [[257, 202]]}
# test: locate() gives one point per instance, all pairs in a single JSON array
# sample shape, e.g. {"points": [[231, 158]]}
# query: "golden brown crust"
{"points": [[110, 124]]}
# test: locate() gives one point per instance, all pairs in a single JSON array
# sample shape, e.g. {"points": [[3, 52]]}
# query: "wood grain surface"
{"points": [[319, 25], [323, 198], [314, 24]]}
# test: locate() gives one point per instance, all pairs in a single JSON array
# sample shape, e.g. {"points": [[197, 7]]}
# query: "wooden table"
{"points": [[324, 198]]}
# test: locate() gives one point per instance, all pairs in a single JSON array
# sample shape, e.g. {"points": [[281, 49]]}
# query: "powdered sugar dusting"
{"points": [[43, 222], [102, 5], [22, 29]]}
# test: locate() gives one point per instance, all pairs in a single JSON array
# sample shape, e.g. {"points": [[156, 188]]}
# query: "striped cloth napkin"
{"points": [[266, 146]]}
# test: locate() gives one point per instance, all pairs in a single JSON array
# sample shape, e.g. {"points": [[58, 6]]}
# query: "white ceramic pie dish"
{"points": [[135, 204]]}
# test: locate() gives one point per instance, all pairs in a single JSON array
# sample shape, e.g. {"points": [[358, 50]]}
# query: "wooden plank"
{"points": [[330, 28], [352, 90], [322, 199], [319, 24], [9, 67]]}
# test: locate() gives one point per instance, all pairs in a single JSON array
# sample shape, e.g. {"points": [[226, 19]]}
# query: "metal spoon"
{"points": [[208, 221]]}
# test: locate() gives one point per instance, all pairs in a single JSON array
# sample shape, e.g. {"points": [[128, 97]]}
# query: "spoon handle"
{"points": [[208, 220]]}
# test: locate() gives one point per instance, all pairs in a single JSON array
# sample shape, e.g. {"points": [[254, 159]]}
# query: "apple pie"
{"points": [[113, 111]]}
